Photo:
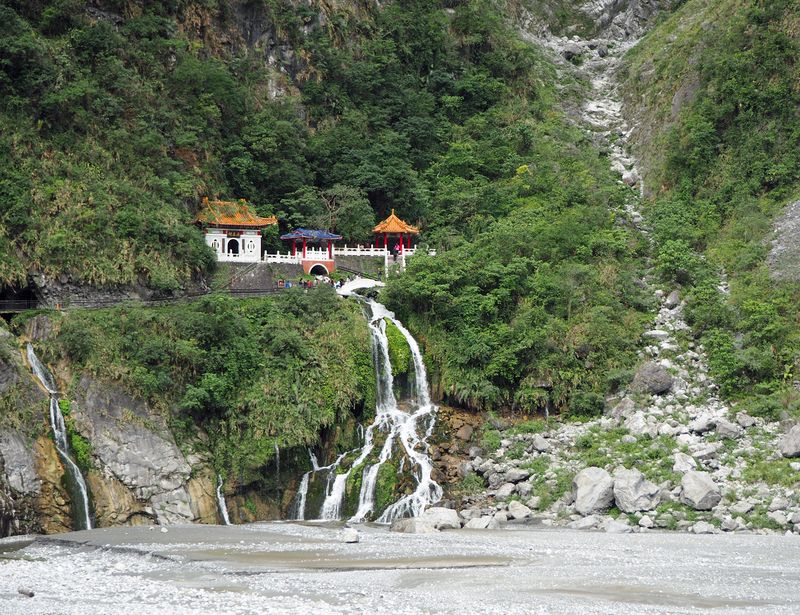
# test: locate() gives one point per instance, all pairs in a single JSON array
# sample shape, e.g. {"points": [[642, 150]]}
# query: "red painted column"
{"points": [[385, 241], [408, 242], [402, 242], [294, 247], [377, 241], [330, 250]]}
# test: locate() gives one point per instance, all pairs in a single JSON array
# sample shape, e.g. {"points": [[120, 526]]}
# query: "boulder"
{"points": [[464, 432], [482, 523], [778, 503], [518, 510], [646, 522], [585, 523], [742, 507], [745, 420], [637, 425], [683, 463], [594, 490], [617, 526], [571, 51], [349, 535], [516, 475], [673, 300], [652, 378], [634, 493], [703, 527], [505, 490], [540, 444], [442, 518], [699, 491], [779, 517], [702, 424], [534, 502], [413, 525], [524, 489], [726, 429], [790, 443]]}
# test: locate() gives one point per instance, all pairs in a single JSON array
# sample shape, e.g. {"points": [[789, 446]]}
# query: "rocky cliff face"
{"points": [[138, 475], [141, 471]]}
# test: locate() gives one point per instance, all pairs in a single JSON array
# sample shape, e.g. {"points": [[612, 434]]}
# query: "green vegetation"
{"points": [[605, 449], [471, 484], [399, 351], [718, 81], [250, 373], [490, 439]]}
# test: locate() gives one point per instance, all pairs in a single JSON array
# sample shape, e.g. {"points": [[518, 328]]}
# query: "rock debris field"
{"points": [[296, 568]]}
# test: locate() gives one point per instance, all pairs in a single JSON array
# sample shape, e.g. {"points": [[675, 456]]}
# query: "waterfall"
{"points": [[333, 501], [277, 466], [80, 504], [223, 506], [299, 505], [400, 428]]}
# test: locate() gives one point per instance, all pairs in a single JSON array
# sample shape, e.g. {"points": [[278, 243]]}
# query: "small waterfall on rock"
{"points": [[299, 505], [80, 493], [223, 505], [399, 428]]}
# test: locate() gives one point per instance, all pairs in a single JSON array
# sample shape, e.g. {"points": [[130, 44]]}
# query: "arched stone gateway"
{"points": [[318, 269], [233, 246]]}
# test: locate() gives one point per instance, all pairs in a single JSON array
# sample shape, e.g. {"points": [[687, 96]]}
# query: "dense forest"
{"points": [[116, 120], [118, 116], [716, 89]]}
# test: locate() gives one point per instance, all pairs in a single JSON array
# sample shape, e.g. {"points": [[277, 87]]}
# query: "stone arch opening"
{"points": [[318, 269], [233, 246]]}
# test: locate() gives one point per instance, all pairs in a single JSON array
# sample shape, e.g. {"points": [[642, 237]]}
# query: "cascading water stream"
{"points": [[400, 427], [223, 505], [81, 503]]}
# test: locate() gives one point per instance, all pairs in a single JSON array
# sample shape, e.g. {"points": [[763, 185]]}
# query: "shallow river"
{"points": [[296, 568]]}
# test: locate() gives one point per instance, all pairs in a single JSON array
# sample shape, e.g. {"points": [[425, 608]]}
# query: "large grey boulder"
{"points": [[518, 510], [790, 443], [673, 300], [585, 523], [594, 490], [683, 462], [516, 475], [482, 523], [652, 378], [638, 426], [572, 50], [702, 424], [699, 491], [540, 444], [633, 492], [726, 429], [505, 491], [442, 518], [413, 525]]}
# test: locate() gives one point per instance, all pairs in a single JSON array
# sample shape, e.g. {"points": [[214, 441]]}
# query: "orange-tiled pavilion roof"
{"points": [[393, 224], [231, 213]]}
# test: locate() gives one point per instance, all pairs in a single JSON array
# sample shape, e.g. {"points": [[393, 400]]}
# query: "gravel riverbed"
{"points": [[296, 568]]}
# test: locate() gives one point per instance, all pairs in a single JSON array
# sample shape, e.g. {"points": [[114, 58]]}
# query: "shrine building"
{"points": [[233, 230]]}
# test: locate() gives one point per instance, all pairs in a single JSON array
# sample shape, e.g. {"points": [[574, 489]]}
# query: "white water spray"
{"points": [[400, 428], [61, 440]]}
